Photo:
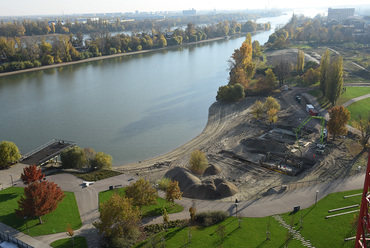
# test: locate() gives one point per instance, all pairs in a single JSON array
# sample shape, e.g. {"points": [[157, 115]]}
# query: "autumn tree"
{"points": [[102, 161], [300, 62], [338, 118], [363, 124], [173, 192], [9, 154], [256, 53], [119, 219], [198, 162], [271, 103], [39, 199], [270, 78], [311, 76], [31, 174], [334, 80], [142, 193], [272, 115], [282, 70], [324, 66], [257, 109]]}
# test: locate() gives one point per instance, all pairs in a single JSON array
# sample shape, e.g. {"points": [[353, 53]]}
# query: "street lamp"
{"points": [[11, 177], [236, 206], [317, 192]]}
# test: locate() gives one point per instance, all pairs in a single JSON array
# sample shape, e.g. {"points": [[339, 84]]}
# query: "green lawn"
{"points": [[153, 210], [327, 232], [251, 234], [320, 231], [55, 222], [79, 242], [352, 92], [361, 107]]}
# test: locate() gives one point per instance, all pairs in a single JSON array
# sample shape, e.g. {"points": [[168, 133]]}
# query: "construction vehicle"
{"points": [[323, 133]]}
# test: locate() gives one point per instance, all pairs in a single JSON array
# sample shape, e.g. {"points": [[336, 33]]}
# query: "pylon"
{"points": [[363, 227]]}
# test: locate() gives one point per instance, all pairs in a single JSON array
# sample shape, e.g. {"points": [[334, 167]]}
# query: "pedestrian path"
{"points": [[296, 233]]}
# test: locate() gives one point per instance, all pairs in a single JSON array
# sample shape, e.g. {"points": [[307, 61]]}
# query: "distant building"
{"points": [[189, 12], [340, 14]]}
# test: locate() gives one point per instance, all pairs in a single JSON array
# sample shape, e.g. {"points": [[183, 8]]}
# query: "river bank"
{"points": [[4, 74]]}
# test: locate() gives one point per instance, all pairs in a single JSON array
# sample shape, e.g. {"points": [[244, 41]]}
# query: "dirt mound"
{"points": [[193, 187], [226, 189], [184, 177], [212, 170]]}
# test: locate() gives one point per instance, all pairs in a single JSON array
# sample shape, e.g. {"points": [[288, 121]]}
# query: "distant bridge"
{"points": [[48, 151]]}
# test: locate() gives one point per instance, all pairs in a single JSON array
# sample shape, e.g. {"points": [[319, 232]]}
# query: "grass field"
{"points": [[359, 108], [55, 222], [327, 232], [79, 242], [320, 231], [147, 211]]}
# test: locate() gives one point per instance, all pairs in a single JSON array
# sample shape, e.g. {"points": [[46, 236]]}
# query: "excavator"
{"points": [[323, 133]]}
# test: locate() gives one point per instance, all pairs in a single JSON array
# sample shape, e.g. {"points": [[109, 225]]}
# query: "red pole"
{"points": [[363, 220]]}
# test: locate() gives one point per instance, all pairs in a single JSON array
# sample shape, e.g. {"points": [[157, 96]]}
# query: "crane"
{"points": [[322, 131]]}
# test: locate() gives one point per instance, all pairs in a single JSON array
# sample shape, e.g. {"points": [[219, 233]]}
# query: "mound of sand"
{"points": [[212, 170], [193, 187]]}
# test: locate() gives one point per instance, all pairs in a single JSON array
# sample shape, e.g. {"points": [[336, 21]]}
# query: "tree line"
{"points": [[18, 54], [45, 26]]}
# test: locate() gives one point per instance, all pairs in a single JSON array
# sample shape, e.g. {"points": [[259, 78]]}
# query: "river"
{"points": [[131, 107]]}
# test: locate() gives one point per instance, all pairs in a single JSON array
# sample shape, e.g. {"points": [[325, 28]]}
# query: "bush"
{"points": [[36, 63], [210, 218], [156, 228], [28, 64], [230, 93], [163, 183]]}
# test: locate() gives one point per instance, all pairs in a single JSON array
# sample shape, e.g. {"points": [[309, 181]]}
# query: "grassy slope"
{"points": [[79, 242], [55, 222]]}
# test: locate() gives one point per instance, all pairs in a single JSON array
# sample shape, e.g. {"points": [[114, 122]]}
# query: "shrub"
{"points": [[28, 64], [198, 162], [156, 228], [163, 183], [36, 63], [210, 218]]}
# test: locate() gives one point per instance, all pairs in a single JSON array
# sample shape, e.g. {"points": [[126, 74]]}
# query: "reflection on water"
{"points": [[132, 107]]}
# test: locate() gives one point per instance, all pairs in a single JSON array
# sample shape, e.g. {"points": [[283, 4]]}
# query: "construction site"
{"points": [[249, 158]]}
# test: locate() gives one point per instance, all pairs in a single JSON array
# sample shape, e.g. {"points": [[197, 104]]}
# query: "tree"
{"points": [[32, 174], [300, 62], [173, 192], [119, 218], [270, 78], [221, 231], [73, 157], [70, 233], [311, 76], [271, 103], [256, 49], [334, 80], [198, 162], [338, 118], [363, 124], [257, 109], [272, 115], [230, 93], [40, 198], [324, 66], [9, 154], [89, 154], [102, 161], [282, 69], [142, 193]]}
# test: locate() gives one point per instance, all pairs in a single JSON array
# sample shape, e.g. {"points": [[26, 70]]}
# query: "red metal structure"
{"points": [[363, 227]]}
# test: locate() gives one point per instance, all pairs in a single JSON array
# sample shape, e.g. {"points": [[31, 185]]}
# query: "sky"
{"points": [[59, 7]]}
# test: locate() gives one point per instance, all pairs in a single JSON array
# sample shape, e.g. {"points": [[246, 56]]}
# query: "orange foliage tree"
{"points": [[339, 117], [31, 174], [39, 199], [142, 193]]}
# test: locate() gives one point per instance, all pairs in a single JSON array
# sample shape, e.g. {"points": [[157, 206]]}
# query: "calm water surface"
{"points": [[132, 107]]}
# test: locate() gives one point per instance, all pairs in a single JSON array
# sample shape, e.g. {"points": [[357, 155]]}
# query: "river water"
{"points": [[132, 107]]}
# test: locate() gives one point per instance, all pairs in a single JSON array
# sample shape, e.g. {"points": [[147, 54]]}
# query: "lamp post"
{"points": [[317, 192], [236, 206], [11, 177]]}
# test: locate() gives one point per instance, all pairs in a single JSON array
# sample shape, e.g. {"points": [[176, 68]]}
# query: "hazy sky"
{"points": [[57, 7]]}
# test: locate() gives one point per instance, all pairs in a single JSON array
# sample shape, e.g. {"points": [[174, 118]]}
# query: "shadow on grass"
{"points": [[172, 234], [7, 197], [262, 244]]}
